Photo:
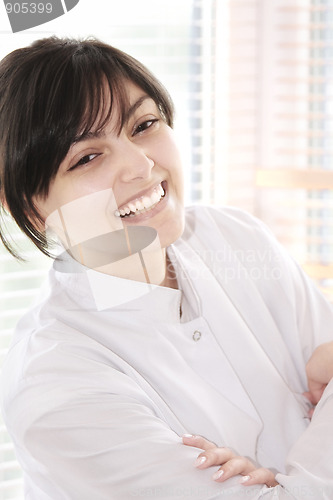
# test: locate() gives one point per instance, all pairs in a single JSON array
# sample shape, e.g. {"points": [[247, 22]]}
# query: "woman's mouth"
{"points": [[141, 205]]}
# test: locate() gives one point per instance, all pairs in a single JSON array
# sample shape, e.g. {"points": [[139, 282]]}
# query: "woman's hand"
{"points": [[319, 370], [232, 464]]}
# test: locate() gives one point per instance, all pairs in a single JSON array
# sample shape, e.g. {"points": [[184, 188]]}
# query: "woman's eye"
{"points": [[145, 125], [84, 160]]}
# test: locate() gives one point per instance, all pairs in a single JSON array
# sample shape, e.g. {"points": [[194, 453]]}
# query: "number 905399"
{"points": [[28, 8]]}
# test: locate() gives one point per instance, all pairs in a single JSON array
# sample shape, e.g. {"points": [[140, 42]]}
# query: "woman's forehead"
{"points": [[125, 97], [115, 111]]}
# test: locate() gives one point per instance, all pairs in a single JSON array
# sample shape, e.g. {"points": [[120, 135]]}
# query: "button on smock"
{"points": [[196, 335]]}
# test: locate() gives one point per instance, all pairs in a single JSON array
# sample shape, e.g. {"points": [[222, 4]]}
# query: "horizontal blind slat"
{"points": [[292, 178]]}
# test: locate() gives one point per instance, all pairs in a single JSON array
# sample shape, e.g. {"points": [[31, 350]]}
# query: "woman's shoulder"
{"points": [[232, 223], [56, 367]]}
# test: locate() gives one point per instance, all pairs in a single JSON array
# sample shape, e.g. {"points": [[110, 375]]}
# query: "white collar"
{"points": [[97, 291]]}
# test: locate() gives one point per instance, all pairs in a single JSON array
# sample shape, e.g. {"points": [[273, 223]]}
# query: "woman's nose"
{"points": [[134, 163]]}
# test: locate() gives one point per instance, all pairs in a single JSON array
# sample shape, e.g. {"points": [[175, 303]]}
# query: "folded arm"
{"points": [[106, 446]]}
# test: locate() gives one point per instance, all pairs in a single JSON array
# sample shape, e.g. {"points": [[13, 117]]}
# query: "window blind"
{"points": [[225, 129], [295, 176], [18, 285], [270, 120]]}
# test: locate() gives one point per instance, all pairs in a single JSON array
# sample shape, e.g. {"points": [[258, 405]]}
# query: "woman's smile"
{"points": [[142, 204]]}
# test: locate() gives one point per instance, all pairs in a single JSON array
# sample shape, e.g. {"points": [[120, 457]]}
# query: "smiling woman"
{"points": [[70, 107], [106, 365], [134, 162]]}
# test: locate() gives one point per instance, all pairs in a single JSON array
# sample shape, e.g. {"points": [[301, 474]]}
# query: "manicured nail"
{"points": [[218, 474], [244, 479], [188, 436], [199, 461]]}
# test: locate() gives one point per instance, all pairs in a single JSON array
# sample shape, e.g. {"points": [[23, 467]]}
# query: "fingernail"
{"points": [[188, 436], [218, 474], [244, 479], [199, 461]]}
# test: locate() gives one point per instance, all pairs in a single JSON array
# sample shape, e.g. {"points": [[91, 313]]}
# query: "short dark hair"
{"points": [[50, 92]]}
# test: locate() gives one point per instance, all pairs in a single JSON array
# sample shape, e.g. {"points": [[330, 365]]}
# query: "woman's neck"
{"points": [[170, 279]]}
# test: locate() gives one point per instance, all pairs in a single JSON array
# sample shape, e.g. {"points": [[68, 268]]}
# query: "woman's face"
{"points": [[140, 168]]}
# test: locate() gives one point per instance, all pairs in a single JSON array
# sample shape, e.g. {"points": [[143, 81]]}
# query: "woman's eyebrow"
{"points": [[135, 106], [88, 135], [100, 133]]}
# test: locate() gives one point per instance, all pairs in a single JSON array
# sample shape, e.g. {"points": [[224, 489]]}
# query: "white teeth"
{"points": [[139, 205], [146, 201], [142, 204], [155, 197]]}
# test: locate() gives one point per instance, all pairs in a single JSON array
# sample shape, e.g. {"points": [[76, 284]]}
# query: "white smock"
{"points": [[104, 375]]}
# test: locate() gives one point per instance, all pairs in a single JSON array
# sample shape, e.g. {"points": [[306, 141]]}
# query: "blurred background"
{"points": [[253, 88]]}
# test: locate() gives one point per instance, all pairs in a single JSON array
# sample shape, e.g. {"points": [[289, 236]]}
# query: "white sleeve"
{"points": [[101, 446], [293, 300], [107, 447], [310, 461], [312, 311]]}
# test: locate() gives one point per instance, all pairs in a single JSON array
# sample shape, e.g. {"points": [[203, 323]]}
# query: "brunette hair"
{"points": [[51, 92]]}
